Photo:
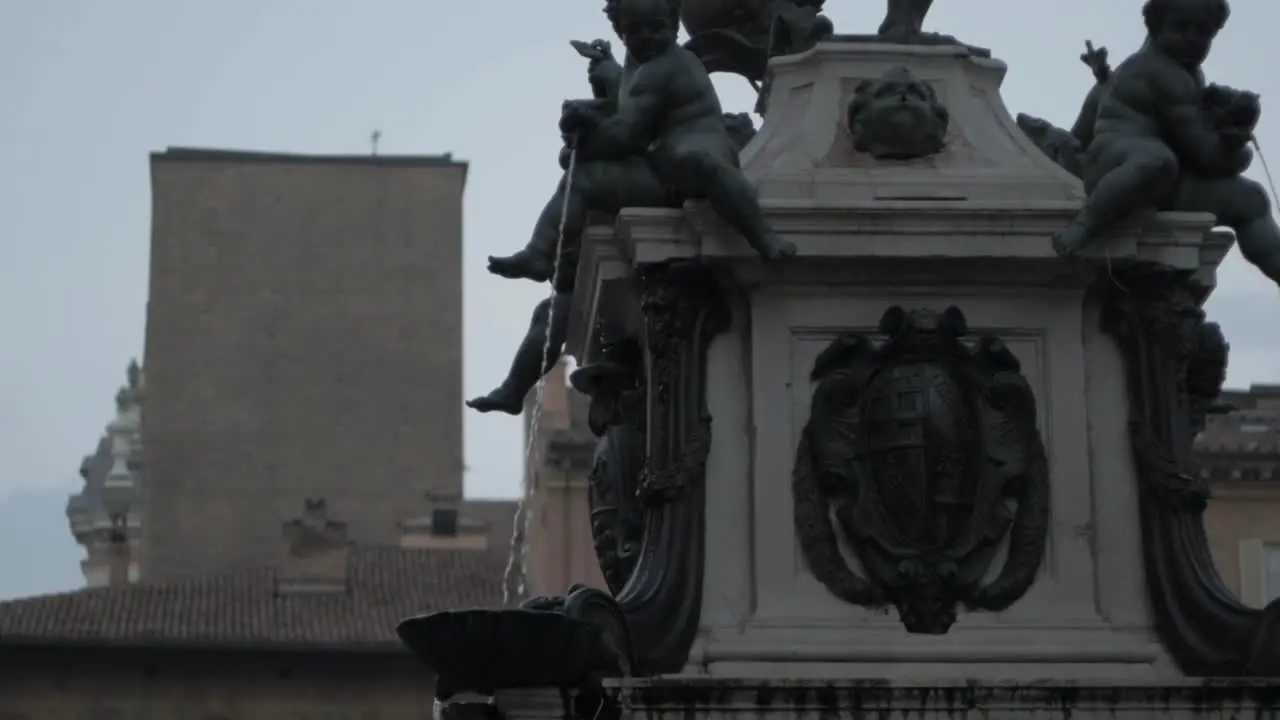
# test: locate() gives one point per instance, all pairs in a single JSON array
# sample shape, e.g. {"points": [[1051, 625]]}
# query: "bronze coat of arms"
{"points": [[921, 457]]}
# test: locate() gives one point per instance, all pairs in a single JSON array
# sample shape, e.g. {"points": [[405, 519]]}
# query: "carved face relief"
{"points": [[897, 117]]}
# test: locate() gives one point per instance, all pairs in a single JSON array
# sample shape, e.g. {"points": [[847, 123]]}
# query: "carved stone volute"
{"points": [[1175, 363], [615, 384]]}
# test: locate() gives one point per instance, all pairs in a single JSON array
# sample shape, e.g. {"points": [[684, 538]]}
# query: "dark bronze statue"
{"points": [[1163, 138], [1059, 145], [740, 36], [669, 114], [1066, 148], [897, 117], [904, 20], [914, 451], [654, 136]]}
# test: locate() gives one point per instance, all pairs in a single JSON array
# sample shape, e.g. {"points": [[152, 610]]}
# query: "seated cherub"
{"points": [[1164, 140], [661, 141], [669, 111]]}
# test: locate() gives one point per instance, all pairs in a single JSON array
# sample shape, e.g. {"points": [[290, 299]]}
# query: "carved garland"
{"points": [[1176, 364], [647, 490], [683, 311]]}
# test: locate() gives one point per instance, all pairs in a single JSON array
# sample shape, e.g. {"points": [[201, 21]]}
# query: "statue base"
{"points": [[1075, 495], [764, 614], [724, 699]]}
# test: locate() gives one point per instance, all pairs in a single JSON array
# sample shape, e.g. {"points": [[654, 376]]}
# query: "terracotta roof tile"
{"points": [[242, 609]]}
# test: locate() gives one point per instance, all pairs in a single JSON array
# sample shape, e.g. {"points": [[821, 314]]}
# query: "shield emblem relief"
{"points": [[913, 446], [914, 454]]}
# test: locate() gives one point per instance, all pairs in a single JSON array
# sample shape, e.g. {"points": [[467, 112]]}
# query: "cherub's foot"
{"points": [[778, 250], [524, 265], [1070, 240], [500, 400], [898, 33]]}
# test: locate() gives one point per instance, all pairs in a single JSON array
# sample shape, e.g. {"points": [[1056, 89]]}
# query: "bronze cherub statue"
{"points": [[1162, 138], [654, 135]]}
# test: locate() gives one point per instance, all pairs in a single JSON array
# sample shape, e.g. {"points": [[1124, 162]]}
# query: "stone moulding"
{"points": [[1176, 363], [804, 699]]}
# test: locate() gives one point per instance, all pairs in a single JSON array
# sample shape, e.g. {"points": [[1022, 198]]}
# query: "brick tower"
{"points": [[304, 340]]}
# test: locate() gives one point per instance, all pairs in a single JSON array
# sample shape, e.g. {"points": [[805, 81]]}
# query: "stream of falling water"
{"points": [[514, 579]]}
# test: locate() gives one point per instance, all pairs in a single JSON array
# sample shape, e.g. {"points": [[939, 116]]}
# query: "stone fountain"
{"points": [[926, 467]]}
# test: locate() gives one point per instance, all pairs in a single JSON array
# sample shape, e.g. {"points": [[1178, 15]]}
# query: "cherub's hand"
{"points": [[577, 115], [603, 74], [603, 71], [1096, 60]]}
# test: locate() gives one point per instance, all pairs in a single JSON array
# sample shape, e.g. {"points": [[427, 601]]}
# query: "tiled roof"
{"points": [[243, 609]]}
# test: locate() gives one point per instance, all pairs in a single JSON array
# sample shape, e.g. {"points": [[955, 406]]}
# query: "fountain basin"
{"points": [[484, 651]]}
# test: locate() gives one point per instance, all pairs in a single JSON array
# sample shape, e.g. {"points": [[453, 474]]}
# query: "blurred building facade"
{"points": [[105, 515], [303, 341], [561, 552], [1240, 458], [286, 482]]}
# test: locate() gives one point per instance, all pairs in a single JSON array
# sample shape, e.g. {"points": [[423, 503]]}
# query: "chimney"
{"points": [[443, 527], [444, 522], [318, 549]]}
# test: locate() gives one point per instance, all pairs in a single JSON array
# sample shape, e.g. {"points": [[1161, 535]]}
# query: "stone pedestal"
{"points": [[968, 227], [923, 469], [742, 623]]}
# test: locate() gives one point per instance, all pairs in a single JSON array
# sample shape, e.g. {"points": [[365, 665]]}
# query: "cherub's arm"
{"points": [[1088, 117], [603, 70], [635, 124], [606, 79], [1096, 60]]}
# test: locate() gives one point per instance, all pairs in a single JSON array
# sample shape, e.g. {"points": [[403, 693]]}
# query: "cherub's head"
{"points": [[897, 116], [611, 12], [647, 27], [1185, 29], [922, 330]]}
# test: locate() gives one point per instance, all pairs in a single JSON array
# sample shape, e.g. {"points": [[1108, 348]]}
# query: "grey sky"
{"points": [[88, 88]]}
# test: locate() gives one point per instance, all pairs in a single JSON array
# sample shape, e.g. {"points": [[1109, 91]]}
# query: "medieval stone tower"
{"points": [[304, 342]]}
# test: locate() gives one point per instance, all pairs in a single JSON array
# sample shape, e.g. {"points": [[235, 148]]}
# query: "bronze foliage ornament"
{"points": [[647, 493], [1176, 363], [616, 415], [915, 449]]}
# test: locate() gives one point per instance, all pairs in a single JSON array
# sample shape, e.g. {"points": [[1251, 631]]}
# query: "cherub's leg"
{"points": [[536, 261], [904, 19], [527, 367], [1123, 175], [1244, 206], [702, 172]]}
